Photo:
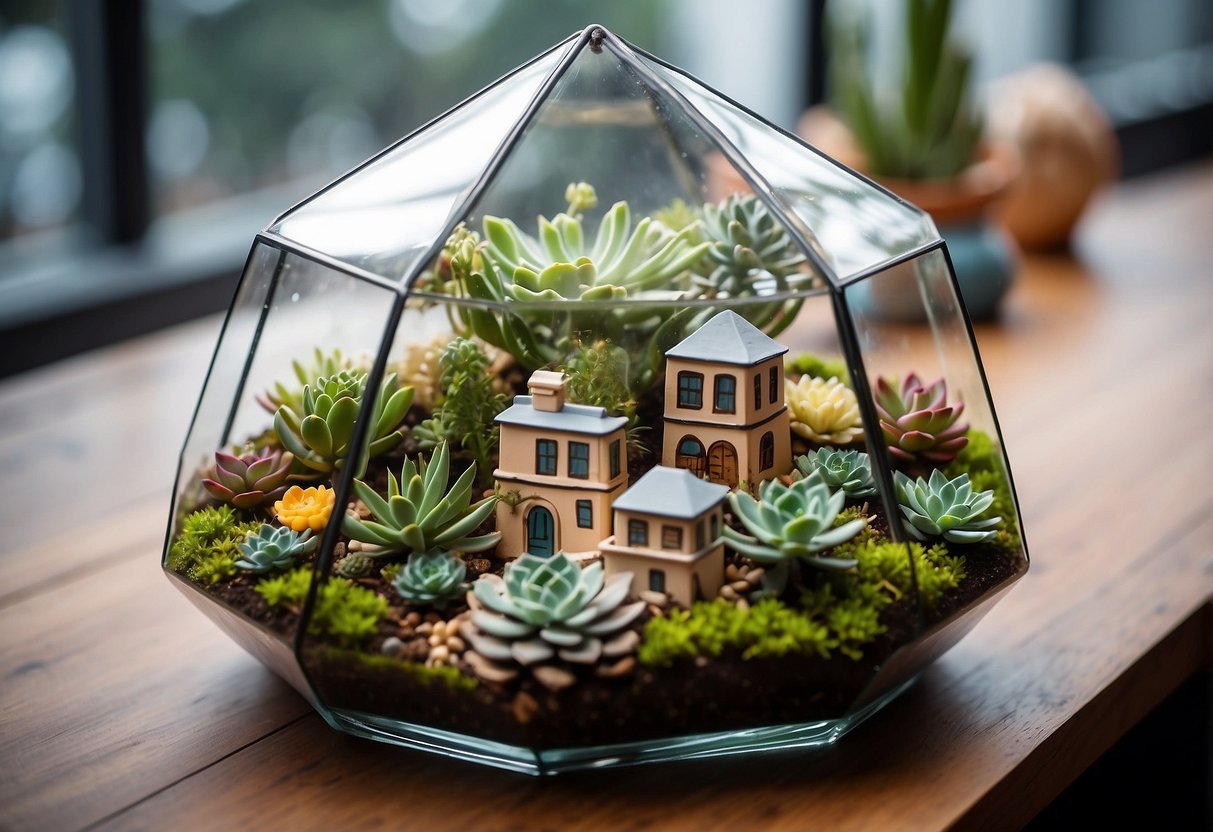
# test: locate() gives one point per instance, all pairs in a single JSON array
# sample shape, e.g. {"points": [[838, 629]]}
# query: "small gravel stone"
{"points": [[524, 707], [413, 618], [440, 653], [656, 611], [623, 667], [754, 576], [478, 566], [731, 572], [455, 644], [659, 599], [741, 586], [354, 546], [701, 661], [553, 678], [425, 629], [728, 593], [743, 605], [392, 646], [433, 617]]}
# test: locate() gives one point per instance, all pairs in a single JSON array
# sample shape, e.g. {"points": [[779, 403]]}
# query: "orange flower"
{"points": [[305, 508]]}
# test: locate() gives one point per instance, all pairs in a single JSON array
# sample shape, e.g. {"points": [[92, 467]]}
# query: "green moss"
{"points": [[811, 365], [206, 550], [841, 612], [769, 628], [982, 460], [344, 611], [442, 675]]}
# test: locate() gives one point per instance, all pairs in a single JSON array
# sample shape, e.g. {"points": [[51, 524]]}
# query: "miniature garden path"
{"points": [[121, 707]]}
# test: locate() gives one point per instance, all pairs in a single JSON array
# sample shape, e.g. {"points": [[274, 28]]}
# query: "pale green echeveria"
{"points": [[749, 247], [562, 264], [432, 579], [319, 435], [274, 547], [850, 471], [791, 523], [548, 607], [420, 513], [946, 508]]}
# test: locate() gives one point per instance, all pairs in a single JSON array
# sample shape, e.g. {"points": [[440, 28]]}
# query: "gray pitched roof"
{"points": [[572, 418], [729, 339], [671, 492]]}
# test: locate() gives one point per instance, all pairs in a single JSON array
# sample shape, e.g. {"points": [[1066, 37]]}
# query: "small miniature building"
{"points": [[725, 414], [561, 466], [668, 533]]}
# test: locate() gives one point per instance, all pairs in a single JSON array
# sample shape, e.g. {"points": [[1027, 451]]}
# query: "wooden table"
{"points": [[121, 707]]}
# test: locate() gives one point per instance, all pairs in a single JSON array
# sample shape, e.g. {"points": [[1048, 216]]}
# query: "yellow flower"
{"points": [[305, 508], [824, 411]]}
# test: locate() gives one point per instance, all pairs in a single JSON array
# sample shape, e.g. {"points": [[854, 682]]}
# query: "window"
{"points": [[701, 534], [545, 456], [656, 580], [638, 533], [690, 390], [585, 514], [616, 456], [715, 526], [579, 460], [766, 451], [773, 391], [757, 390], [726, 394], [671, 537]]}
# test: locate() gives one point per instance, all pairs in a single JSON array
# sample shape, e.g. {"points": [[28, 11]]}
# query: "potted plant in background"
{"points": [[925, 142]]}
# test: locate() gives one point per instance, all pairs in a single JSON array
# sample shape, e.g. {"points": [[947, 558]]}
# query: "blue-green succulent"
{"points": [[274, 547], [850, 471], [946, 508], [432, 579]]}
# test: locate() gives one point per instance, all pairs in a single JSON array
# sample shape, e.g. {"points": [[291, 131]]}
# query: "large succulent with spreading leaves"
{"points": [[791, 524], [750, 249], [562, 263], [850, 471], [248, 480], [274, 547], [549, 607], [323, 365], [917, 422], [947, 508], [419, 513], [432, 579], [320, 432]]}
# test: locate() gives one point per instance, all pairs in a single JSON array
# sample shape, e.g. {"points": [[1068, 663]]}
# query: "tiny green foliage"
{"points": [[468, 407], [808, 364], [420, 513], [208, 545], [355, 565], [441, 675], [598, 375], [344, 611], [710, 628]]}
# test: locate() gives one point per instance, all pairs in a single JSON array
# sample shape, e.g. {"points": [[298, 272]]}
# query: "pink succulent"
{"points": [[250, 479], [918, 423]]}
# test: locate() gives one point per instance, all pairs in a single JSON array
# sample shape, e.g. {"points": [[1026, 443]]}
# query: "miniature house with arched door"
{"points": [[725, 415]]}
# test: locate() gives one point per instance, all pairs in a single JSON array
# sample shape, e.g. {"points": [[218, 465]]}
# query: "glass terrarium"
{"points": [[560, 434]]}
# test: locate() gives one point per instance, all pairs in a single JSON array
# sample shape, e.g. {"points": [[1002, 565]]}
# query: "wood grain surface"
{"points": [[121, 707]]}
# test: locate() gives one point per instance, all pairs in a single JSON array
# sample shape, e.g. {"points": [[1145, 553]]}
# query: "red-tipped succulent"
{"points": [[918, 423], [253, 478]]}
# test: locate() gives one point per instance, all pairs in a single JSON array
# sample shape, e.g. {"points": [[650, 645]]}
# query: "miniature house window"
{"points": [[579, 460], [691, 456], [766, 451], [773, 386], [585, 514], [715, 526], [690, 390], [656, 580], [726, 394], [616, 451], [757, 391], [671, 537], [700, 534], [638, 533], [545, 456]]}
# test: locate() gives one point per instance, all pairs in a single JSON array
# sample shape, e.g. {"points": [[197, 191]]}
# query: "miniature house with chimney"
{"points": [[725, 416], [668, 534], [561, 467]]}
